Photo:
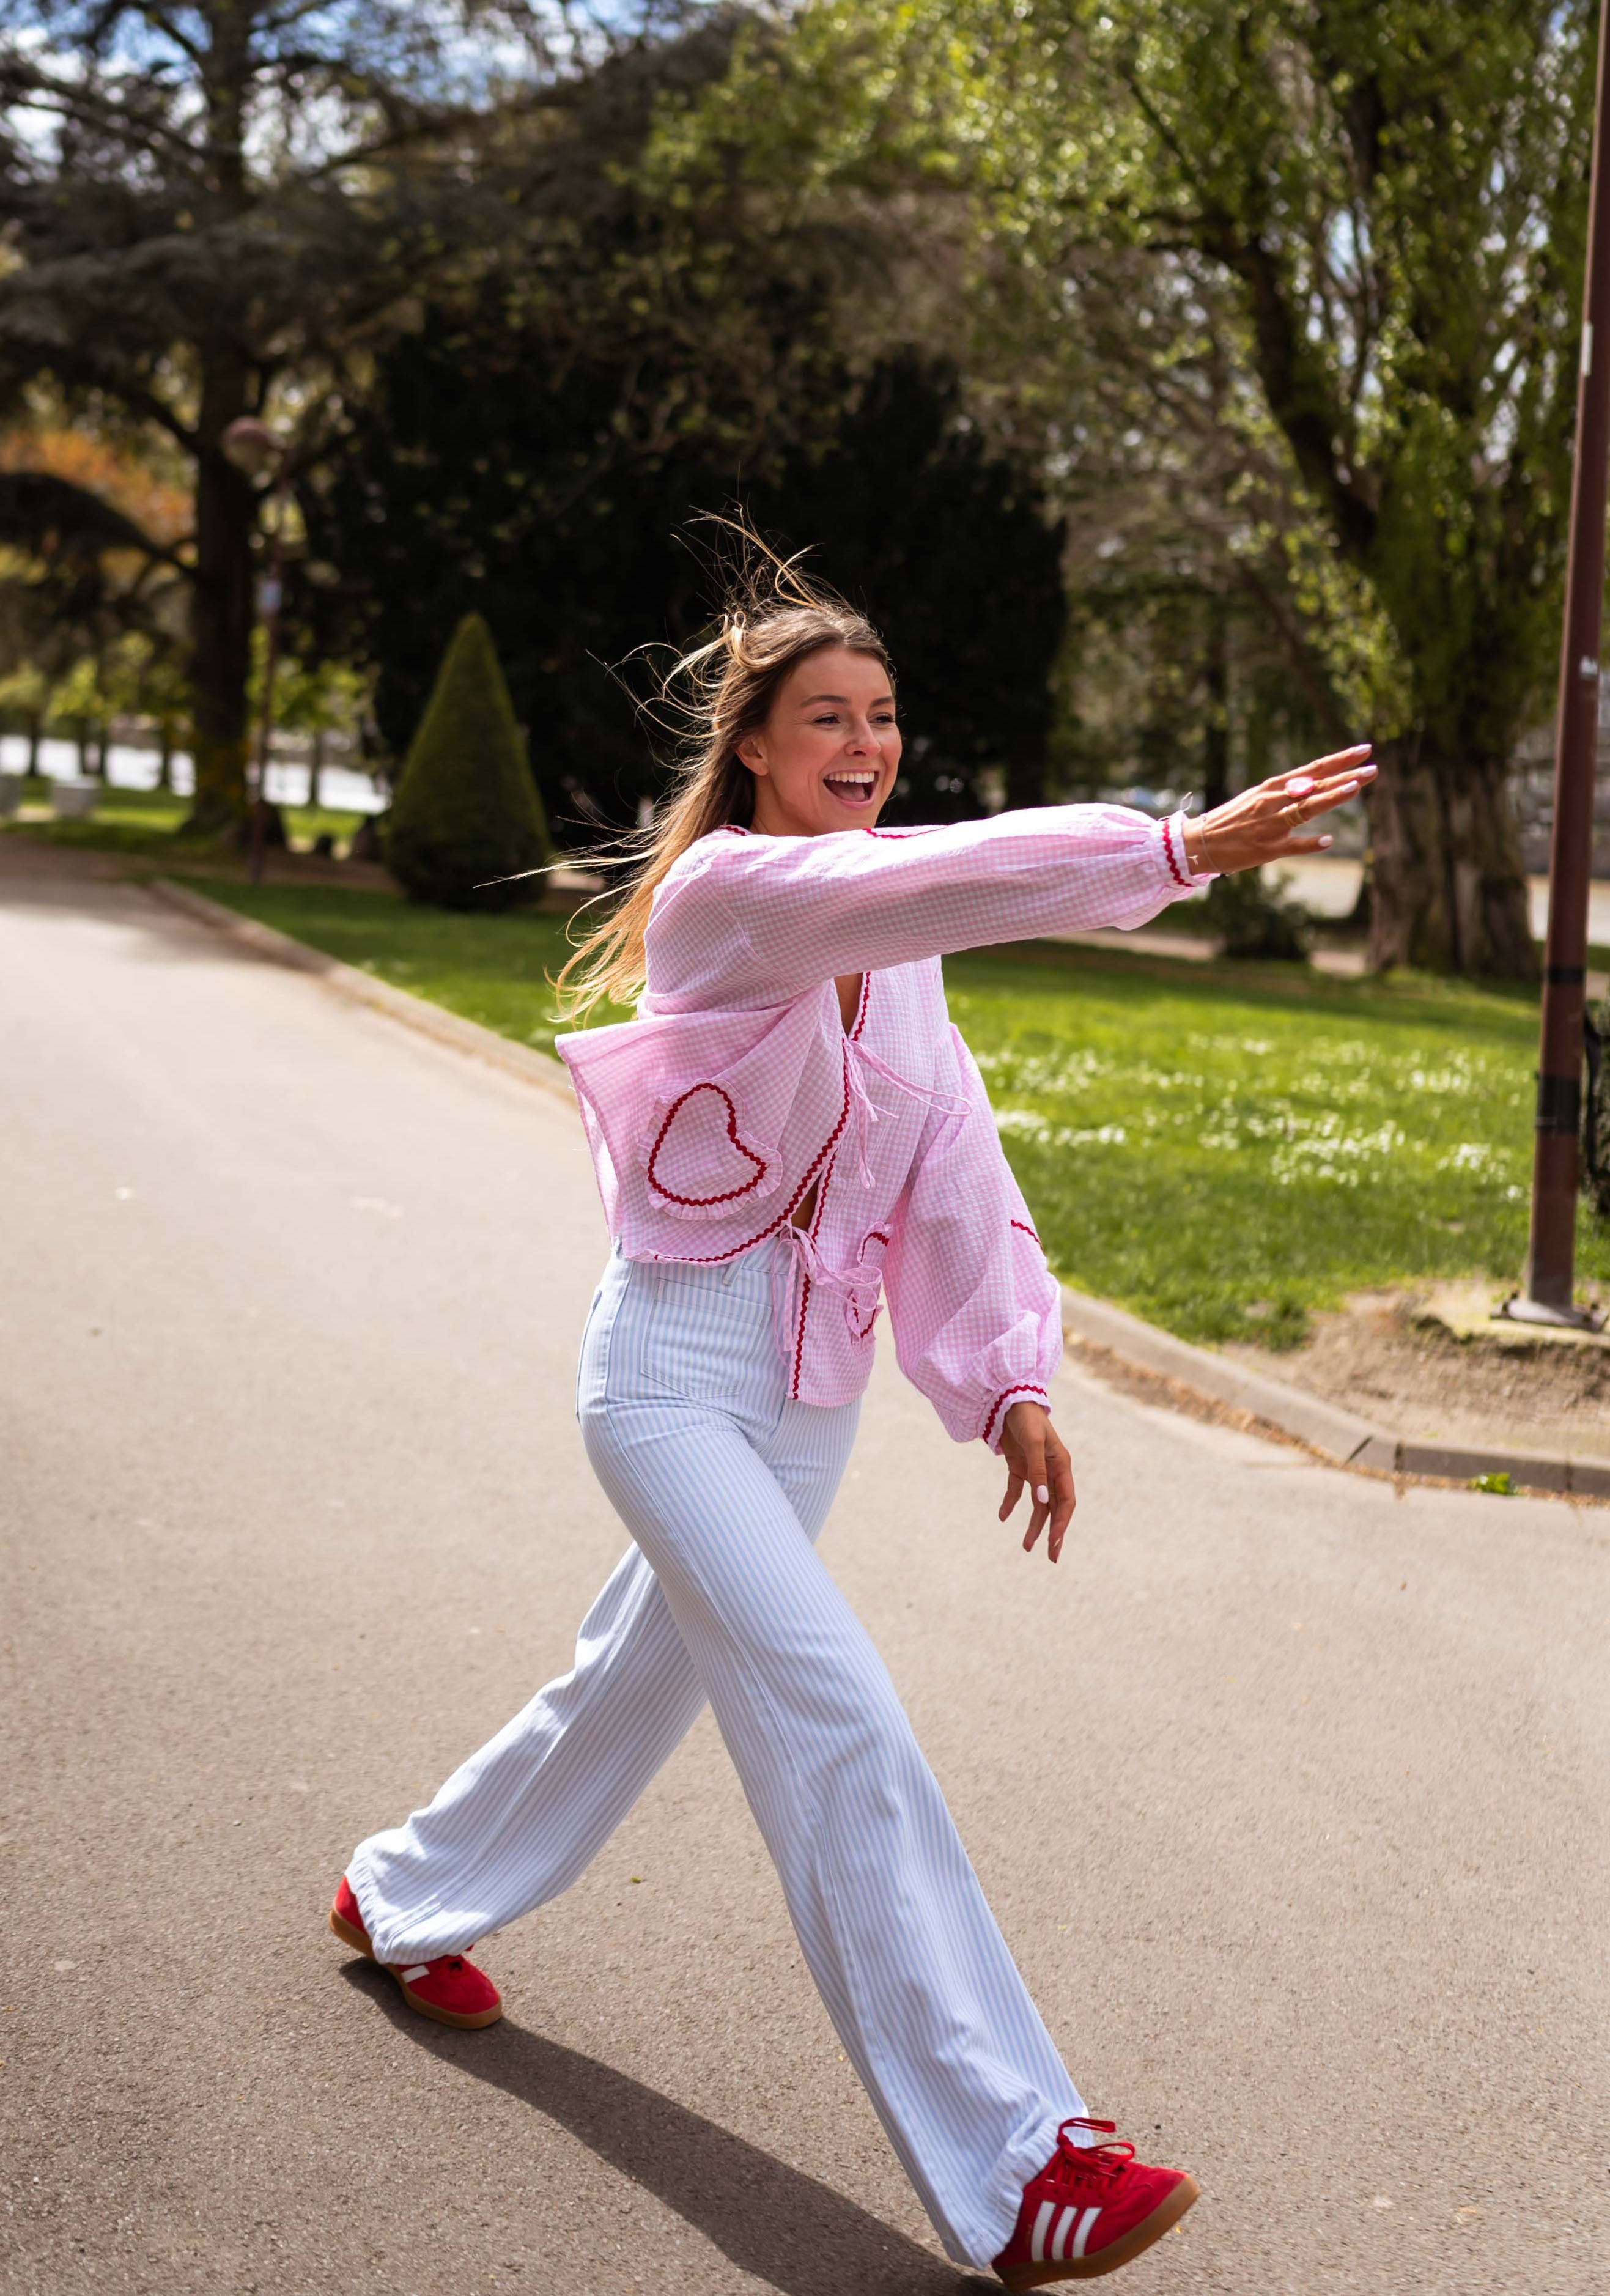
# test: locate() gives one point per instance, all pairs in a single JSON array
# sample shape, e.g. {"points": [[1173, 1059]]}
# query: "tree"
{"points": [[220, 208], [465, 817], [1370, 212], [654, 345], [315, 698]]}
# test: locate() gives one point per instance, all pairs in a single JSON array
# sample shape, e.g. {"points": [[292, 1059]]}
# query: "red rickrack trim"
{"points": [[1005, 1396], [729, 1195], [1024, 1228], [737, 827], [1179, 877], [812, 1170], [861, 1010], [873, 1236], [918, 829], [798, 1345]]}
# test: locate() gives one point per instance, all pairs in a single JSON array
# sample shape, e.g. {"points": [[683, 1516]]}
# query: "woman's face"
{"points": [[826, 756]]}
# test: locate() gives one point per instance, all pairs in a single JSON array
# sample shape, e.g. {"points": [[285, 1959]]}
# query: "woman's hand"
{"points": [[1261, 824], [1036, 1455]]}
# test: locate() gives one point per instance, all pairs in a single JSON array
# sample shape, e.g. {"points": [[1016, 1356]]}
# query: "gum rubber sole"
{"points": [[1134, 2242], [359, 1943]]}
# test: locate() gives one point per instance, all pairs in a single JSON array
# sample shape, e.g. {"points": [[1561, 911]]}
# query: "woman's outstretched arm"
{"points": [[747, 920], [755, 920]]}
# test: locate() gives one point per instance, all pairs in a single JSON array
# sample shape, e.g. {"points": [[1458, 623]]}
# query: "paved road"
{"points": [[1289, 1792]]}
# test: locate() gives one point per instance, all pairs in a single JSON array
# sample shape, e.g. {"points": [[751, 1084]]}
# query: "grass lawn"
{"points": [[1220, 1150], [1223, 1153], [491, 969]]}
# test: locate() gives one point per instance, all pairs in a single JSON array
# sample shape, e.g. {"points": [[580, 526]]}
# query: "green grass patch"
{"points": [[1221, 1150], [491, 969], [1224, 1152]]}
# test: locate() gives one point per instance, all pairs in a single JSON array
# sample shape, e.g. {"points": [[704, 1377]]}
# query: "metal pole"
{"points": [[268, 607], [1551, 1258]]}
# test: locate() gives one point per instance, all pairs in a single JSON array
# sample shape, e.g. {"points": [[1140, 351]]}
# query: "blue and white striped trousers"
{"points": [[724, 1483]]}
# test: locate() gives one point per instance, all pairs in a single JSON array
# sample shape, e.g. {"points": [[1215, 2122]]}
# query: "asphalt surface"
{"points": [[1289, 1792]]}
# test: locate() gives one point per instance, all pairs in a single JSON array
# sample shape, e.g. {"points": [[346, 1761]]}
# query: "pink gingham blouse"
{"points": [[737, 1087]]}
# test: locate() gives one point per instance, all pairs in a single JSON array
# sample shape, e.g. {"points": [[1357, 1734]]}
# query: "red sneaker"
{"points": [[1090, 2208], [449, 1989]]}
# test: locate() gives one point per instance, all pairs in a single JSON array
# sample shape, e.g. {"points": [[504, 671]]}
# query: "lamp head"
{"points": [[252, 446]]}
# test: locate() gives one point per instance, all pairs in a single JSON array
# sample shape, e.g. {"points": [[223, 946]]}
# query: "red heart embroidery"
{"points": [[697, 1158]]}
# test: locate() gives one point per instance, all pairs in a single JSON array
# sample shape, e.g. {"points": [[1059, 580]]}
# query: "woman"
{"points": [[790, 1125]]}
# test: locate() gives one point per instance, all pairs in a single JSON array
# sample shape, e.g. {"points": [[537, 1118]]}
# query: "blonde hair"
{"points": [[711, 699]]}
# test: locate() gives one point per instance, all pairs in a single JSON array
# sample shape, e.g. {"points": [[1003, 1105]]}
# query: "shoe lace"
{"points": [[1076, 2164], [454, 1962]]}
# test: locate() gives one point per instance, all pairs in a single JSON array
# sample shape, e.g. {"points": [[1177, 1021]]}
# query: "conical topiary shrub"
{"points": [[466, 809]]}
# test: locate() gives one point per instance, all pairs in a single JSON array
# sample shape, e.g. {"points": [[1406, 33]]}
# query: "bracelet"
{"points": [[1200, 827]]}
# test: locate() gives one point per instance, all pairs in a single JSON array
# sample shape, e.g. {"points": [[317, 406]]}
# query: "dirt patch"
{"points": [[1371, 1356]]}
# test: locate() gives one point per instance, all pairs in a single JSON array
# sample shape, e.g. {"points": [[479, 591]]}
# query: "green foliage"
{"points": [[466, 813], [1258, 922], [222, 211], [1499, 1486], [1317, 271]]}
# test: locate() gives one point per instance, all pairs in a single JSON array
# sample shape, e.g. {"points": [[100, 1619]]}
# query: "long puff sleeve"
{"points": [[975, 1312], [747, 920]]}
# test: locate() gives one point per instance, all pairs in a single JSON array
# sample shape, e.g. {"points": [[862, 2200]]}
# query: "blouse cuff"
{"points": [[1180, 880], [995, 1424]]}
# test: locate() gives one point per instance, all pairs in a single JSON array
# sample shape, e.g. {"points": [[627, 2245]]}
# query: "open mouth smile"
{"points": [[855, 785]]}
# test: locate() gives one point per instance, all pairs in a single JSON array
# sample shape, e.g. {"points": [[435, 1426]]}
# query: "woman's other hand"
{"points": [[1036, 1456], [1263, 823]]}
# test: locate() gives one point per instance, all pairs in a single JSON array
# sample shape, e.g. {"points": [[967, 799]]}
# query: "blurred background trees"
{"points": [[1184, 388]]}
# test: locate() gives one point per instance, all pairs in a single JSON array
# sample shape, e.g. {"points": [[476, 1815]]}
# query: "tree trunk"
{"points": [[164, 753], [36, 730], [81, 737], [1216, 728], [1448, 886], [1025, 777], [221, 612], [316, 766]]}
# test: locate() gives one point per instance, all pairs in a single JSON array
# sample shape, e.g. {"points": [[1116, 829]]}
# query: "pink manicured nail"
{"points": [[1042, 1495], [1299, 785]]}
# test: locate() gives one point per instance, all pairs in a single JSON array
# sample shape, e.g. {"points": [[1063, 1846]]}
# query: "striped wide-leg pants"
{"points": [[724, 1483]]}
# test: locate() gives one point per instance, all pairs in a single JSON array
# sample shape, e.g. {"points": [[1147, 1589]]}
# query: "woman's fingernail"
{"points": [[1042, 1495], [1327, 841], [1299, 785]]}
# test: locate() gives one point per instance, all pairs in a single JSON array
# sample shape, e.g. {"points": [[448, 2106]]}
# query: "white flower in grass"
{"points": [[1479, 1157]]}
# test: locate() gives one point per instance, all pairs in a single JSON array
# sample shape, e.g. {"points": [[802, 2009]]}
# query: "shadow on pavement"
{"points": [[789, 2230]]}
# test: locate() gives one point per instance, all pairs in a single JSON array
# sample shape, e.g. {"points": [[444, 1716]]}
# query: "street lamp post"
{"points": [[1550, 1260], [258, 451]]}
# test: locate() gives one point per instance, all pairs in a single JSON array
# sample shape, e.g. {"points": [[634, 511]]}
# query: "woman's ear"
{"points": [[750, 752]]}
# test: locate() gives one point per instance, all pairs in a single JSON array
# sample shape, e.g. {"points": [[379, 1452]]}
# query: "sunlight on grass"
{"points": [[1224, 1158], [491, 969]]}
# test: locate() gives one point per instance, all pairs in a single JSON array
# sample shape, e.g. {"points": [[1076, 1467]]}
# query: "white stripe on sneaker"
{"points": [[1064, 2225], [410, 1976], [1036, 2246], [1087, 2226]]}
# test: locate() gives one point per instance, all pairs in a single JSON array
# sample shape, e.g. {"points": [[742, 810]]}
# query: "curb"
{"points": [[1335, 1436], [416, 1013]]}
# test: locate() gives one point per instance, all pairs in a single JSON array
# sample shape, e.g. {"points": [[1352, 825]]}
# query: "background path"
{"points": [[1289, 1792]]}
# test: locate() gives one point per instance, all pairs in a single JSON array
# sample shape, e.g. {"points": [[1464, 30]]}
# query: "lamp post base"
{"points": [[1521, 1310]]}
